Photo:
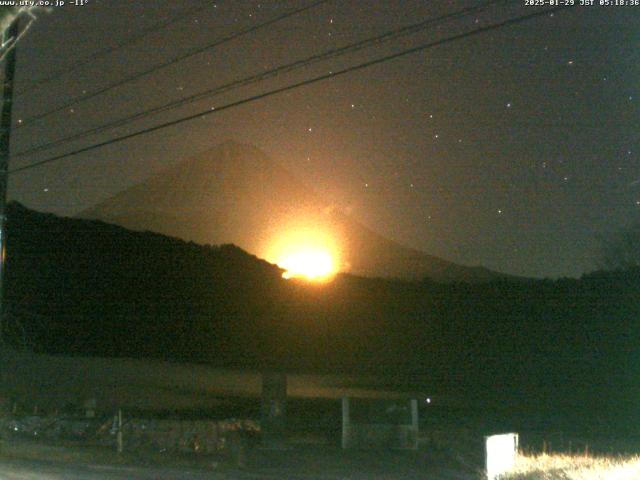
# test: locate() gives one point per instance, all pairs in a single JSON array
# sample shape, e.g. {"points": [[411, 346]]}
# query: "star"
{"points": [[366, 140]]}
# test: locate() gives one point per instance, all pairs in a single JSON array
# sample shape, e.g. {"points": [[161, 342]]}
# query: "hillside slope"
{"points": [[86, 288], [234, 193]]}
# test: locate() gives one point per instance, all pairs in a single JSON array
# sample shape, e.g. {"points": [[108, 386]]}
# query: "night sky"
{"points": [[513, 149]]}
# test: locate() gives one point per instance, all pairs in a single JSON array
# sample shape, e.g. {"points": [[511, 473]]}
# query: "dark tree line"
{"points": [[78, 287]]}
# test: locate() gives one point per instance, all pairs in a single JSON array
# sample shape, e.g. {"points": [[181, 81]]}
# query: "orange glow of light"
{"points": [[308, 264], [307, 253]]}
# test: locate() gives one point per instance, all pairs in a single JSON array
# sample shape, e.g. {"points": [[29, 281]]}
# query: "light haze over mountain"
{"points": [[234, 193]]}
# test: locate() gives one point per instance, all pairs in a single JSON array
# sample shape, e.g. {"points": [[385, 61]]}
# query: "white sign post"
{"points": [[501, 452]]}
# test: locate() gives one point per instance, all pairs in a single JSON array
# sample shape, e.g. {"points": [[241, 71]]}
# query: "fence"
{"points": [[205, 436], [379, 423]]}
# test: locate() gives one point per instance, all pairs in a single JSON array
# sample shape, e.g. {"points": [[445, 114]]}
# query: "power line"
{"points": [[109, 50], [179, 58], [293, 86], [285, 68]]}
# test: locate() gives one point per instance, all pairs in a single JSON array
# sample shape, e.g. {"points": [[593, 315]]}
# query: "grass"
{"points": [[574, 467]]}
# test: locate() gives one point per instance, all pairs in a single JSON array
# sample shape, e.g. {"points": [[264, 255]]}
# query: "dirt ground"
{"points": [[27, 461]]}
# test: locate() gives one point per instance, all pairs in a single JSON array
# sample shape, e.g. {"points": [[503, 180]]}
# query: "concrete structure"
{"points": [[368, 423]]}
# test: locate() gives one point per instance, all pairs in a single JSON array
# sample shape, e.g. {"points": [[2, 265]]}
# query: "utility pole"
{"points": [[10, 35]]}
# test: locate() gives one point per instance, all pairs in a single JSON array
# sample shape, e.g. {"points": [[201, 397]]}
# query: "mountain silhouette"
{"points": [[234, 193]]}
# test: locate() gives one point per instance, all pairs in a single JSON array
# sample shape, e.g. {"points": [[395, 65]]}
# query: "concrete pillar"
{"points": [[415, 429], [274, 410], [346, 423], [119, 439]]}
